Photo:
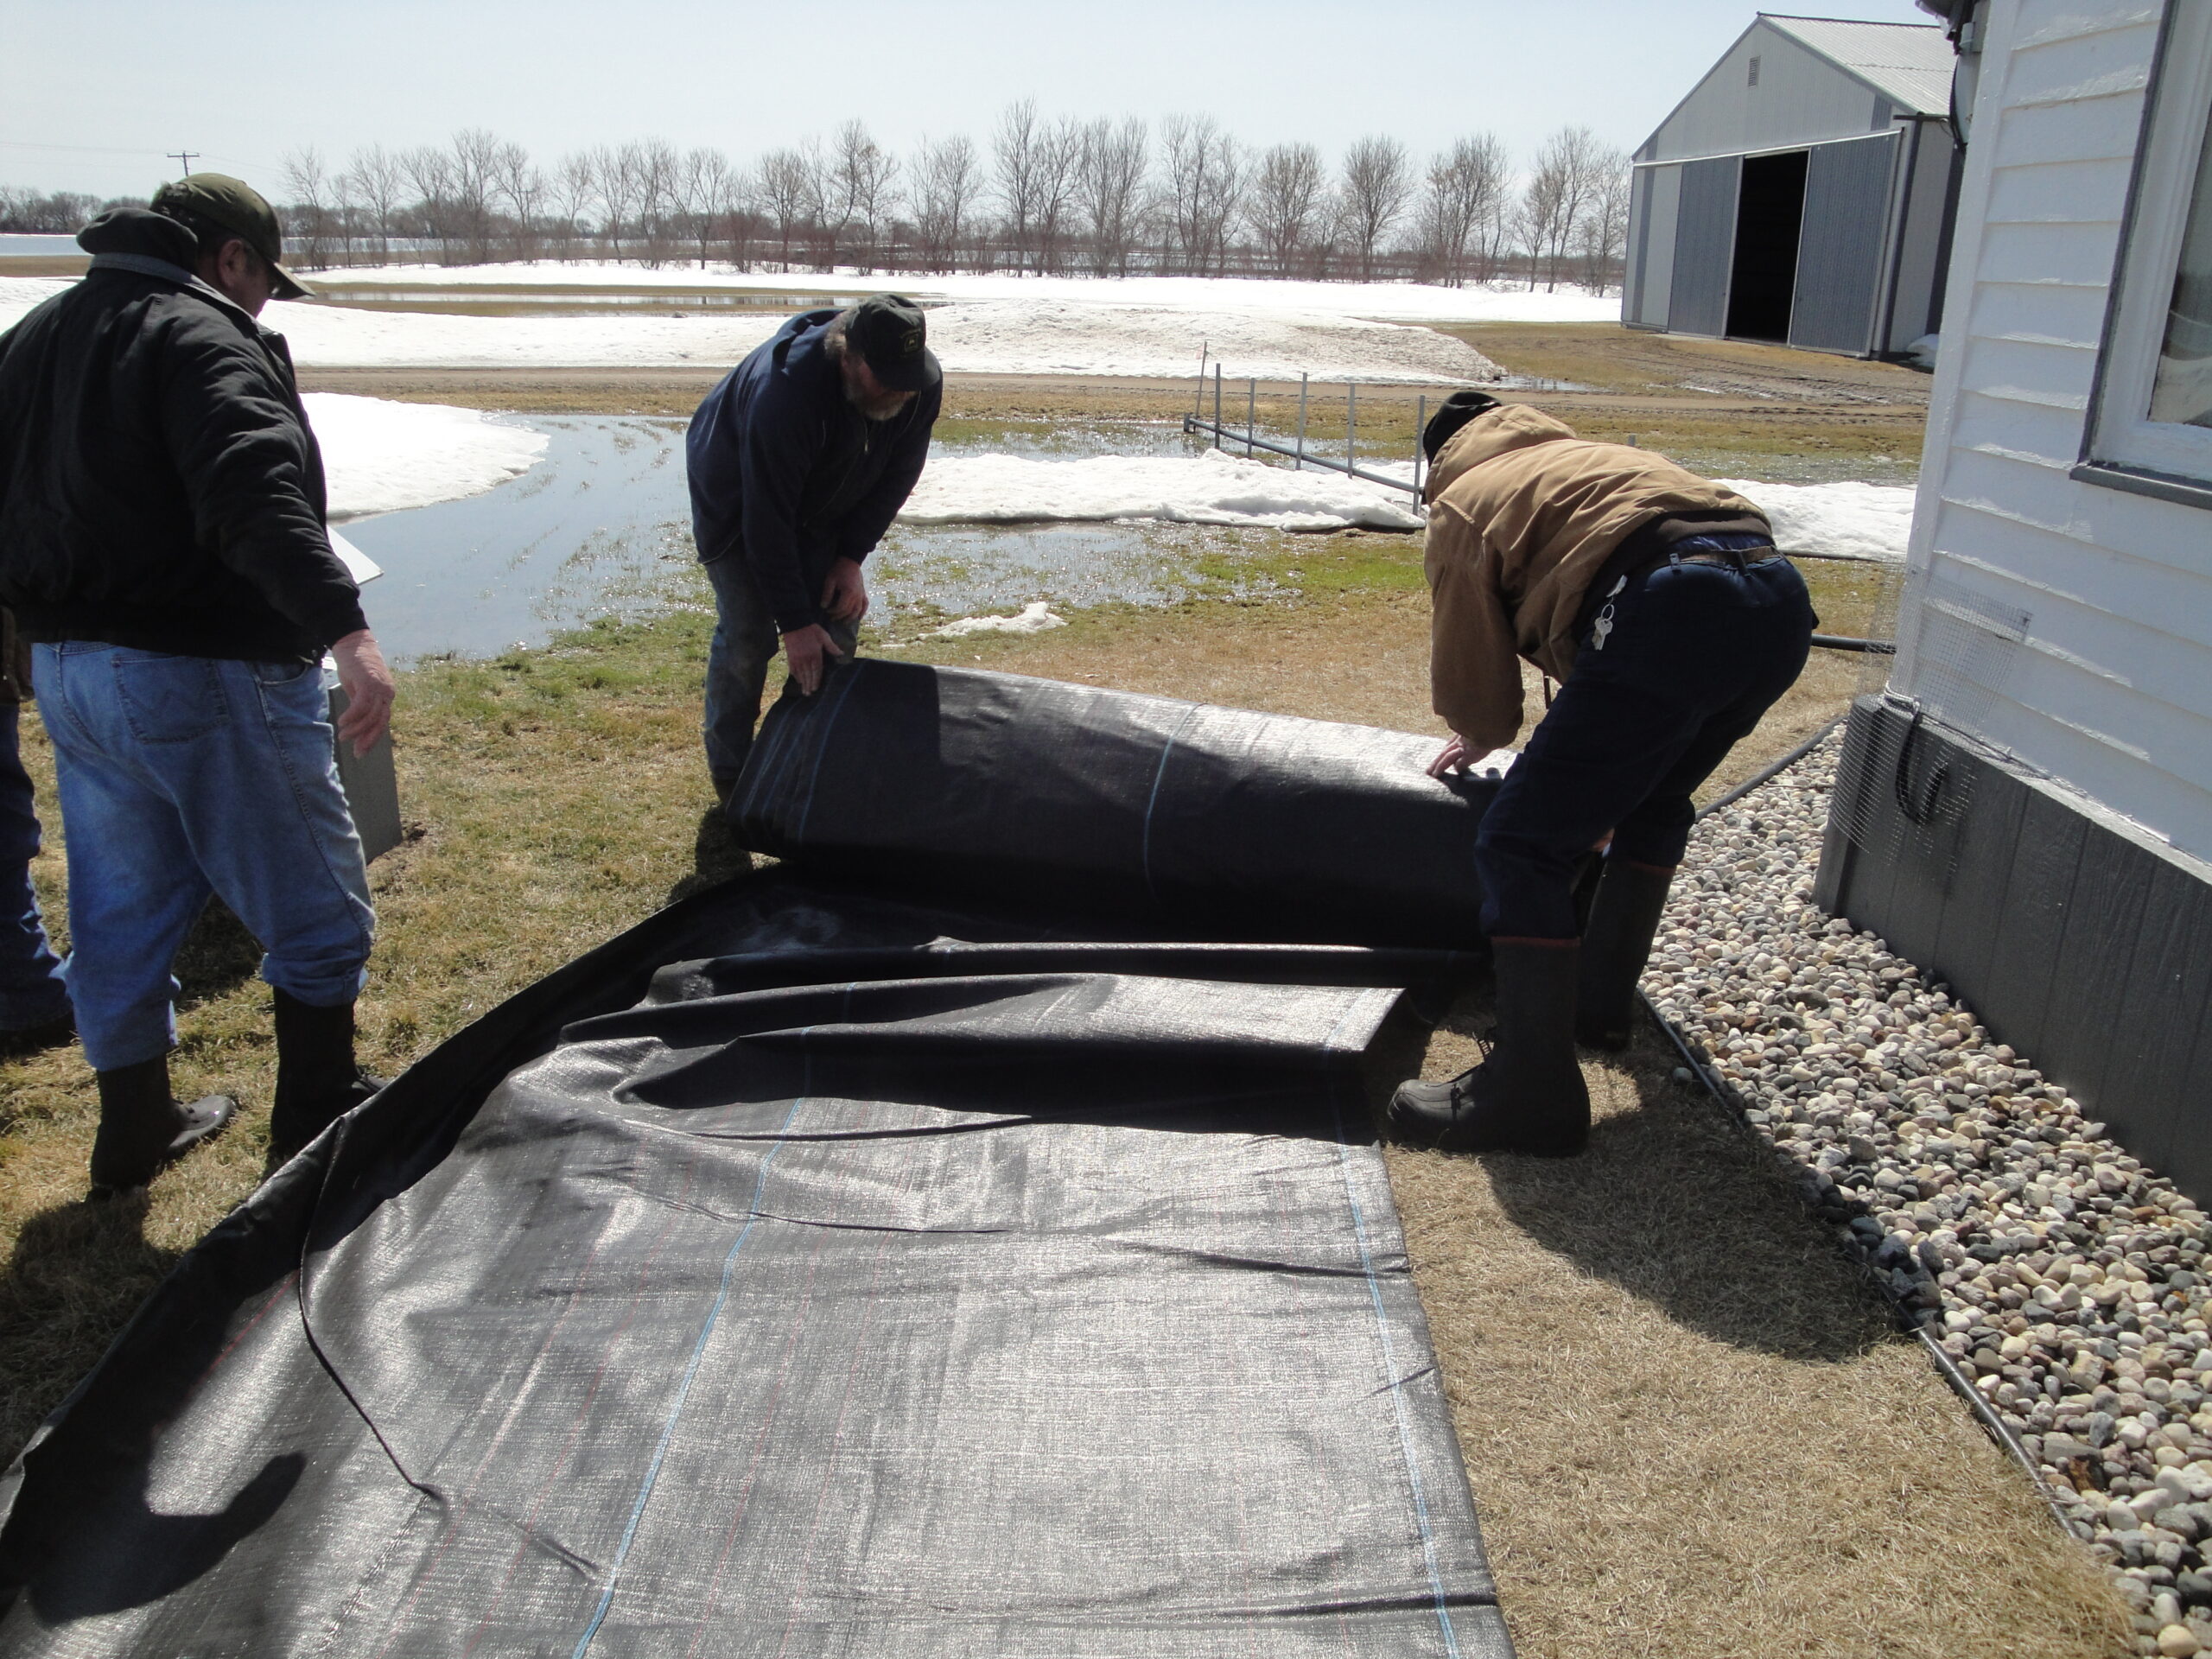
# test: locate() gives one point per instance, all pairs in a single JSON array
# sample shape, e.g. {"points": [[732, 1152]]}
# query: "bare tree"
{"points": [[785, 188], [520, 187], [866, 178], [1204, 190], [308, 186], [739, 216], [575, 188], [1602, 240], [374, 180], [1286, 206], [616, 183], [1378, 183], [653, 167], [1570, 171], [1018, 163], [948, 182], [1466, 187], [429, 174], [1109, 191], [475, 154], [703, 193]]}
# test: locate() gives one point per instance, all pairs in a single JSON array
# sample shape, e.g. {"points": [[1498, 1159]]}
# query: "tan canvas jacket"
{"points": [[1522, 515]]}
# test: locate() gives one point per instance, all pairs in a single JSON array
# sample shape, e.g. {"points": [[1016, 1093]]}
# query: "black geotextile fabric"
{"points": [[1182, 818], [804, 1272]]}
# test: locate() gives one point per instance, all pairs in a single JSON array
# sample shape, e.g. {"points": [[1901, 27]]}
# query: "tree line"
{"points": [[1043, 194]]}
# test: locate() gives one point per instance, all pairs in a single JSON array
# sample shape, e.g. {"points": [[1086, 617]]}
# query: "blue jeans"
{"points": [[31, 992], [1695, 654], [184, 776], [745, 641]]}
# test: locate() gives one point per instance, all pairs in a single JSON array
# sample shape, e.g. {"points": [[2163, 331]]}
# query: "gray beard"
{"points": [[876, 408]]}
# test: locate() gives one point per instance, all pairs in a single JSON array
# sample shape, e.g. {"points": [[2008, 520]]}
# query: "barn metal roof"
{"points": [[1908, 63]]}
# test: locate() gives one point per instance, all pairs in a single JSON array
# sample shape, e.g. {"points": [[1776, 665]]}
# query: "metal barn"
{"points": [[1802, 193]]}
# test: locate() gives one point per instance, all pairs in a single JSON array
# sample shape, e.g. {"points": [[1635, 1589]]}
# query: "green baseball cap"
{"points": [[893, 337], [236, 206]]}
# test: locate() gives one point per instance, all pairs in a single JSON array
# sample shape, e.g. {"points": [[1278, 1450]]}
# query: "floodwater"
{"points": [[601, 527]]}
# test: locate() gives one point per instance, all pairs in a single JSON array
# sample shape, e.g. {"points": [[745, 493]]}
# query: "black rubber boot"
{"points": [[1616, 943], [317, 1080], [144, 1128], [1528, 1094]]}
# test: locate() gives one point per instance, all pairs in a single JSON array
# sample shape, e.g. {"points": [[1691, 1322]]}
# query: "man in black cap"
{"points": [[162, 544], [799, 462]]}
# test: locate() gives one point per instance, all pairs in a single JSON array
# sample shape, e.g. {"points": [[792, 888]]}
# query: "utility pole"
{"points": [[184, 158]]}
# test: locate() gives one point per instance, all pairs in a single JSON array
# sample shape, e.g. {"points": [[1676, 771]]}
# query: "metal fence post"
{"points": [[1301, 422], [1251, 411], [1199, 403], [1217, 405], [1351, 426], [1421, 420]]}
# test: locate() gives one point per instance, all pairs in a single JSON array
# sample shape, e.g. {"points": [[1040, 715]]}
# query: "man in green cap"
{"points": [[162, 543]]}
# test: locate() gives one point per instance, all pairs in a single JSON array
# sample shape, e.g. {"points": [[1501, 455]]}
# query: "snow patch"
{"points": [[1212, 488], [1407, 302], [1036, 332], [381, 457], [1873, 521], [1033, 619]]}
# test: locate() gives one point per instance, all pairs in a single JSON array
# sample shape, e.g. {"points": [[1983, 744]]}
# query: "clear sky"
{"points": [[97, 90]]}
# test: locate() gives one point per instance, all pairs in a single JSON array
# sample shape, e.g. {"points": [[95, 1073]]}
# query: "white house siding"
{"points": [[2110, 691]]}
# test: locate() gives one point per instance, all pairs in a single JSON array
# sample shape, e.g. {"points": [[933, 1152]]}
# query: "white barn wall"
{"points": [[2111, 690], [1801, 98]]}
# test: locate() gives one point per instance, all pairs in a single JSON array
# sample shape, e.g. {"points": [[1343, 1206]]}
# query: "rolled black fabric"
{"points": [[1179, 820]]}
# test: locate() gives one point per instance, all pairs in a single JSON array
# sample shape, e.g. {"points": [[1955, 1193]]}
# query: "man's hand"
{"points": [[806, 652], [844, 595], [1455, 758], [369, 691]]}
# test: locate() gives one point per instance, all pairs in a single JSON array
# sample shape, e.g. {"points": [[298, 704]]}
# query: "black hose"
{"points": [[1767, 774]]}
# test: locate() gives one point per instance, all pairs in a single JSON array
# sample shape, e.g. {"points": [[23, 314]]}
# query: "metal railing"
{"points": [[1197, 424]]}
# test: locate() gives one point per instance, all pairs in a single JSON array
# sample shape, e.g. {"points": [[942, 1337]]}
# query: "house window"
{"points": [[1752, 78], [2150, 427]]}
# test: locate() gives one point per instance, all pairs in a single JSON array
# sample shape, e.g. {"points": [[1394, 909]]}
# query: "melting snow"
{"points": [[1870, 520], [1033, 619], [382, 456], [1212, 488]]}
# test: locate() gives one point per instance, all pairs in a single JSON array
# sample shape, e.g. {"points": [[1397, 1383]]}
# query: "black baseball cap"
{"points": [[893, 339], [236, 206], [1455, 412]]}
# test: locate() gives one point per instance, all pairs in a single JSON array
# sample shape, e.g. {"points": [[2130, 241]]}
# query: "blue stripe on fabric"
{"points": [[691, 1371], [1144, 850], [1397, 1402]]}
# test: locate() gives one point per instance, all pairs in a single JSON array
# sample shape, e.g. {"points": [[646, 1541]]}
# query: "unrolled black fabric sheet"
{"points": [[806, 1272]]}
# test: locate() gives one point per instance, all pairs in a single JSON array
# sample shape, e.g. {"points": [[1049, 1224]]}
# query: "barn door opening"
{"points": [[1770, 210]]}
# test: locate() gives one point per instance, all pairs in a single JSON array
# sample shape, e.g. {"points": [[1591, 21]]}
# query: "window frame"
{"points": [[2121, 446]]}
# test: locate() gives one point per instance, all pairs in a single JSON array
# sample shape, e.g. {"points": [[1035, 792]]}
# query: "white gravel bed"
{"points": [[2066, 1278]]}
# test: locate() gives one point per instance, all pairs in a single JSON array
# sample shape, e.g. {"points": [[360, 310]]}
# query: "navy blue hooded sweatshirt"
{"points": [[788, 475]]}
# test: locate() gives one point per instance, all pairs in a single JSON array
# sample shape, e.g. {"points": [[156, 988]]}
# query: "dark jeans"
{"points": [[31, 992], [1696, 653], [745, 641]]}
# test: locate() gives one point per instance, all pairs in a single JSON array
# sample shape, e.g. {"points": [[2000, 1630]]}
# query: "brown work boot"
{"points": [[144, 1129], [1527, 1095], [1616, 943]]}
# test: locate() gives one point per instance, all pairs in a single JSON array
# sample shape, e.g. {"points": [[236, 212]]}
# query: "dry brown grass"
{"points": [[1689, 1428]]}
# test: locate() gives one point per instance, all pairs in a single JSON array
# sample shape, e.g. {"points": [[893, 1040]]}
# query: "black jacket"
{"points": [[159, 485], [787, 473]]}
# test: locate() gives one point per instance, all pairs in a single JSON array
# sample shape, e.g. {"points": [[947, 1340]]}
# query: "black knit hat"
{"points": [[1456, 411]]}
